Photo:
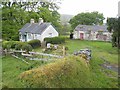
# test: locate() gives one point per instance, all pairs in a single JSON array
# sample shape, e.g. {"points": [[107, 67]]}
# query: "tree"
{"points": [[88, 18], [12, 20], [34, 4], [114, 26], [66, 29]]}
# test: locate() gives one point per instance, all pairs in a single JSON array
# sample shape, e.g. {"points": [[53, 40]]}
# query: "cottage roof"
{"points": [[35, 28], [94, 28]]}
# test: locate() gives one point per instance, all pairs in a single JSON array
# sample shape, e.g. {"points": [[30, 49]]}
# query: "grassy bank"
{"points": [[72, 71], [99, 49], [12, 67]]}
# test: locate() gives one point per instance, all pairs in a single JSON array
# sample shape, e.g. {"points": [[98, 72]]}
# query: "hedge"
{"points": [[5, 44], [55, 40], [27, 47], [9, 44], [17, 45], [35, 43]]}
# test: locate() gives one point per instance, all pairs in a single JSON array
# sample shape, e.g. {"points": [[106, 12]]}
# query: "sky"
{"points": [[109, 8]]}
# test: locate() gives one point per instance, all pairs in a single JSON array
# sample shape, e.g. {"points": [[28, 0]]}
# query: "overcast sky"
{"points": [[109, 8]]}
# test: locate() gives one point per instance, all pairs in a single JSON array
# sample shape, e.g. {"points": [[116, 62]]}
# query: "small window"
{"points": [[35, 36], [50, 34], [29, 36]]}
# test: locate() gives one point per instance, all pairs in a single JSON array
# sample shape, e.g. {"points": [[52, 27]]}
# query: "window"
{"points": [[35, 36], [29, 36], [50, 34]]}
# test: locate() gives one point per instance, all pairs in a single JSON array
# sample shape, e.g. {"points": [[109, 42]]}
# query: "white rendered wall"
{"points": [[47, 32]]}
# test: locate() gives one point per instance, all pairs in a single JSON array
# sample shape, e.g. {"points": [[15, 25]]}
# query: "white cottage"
{"points": [[40, 30], [92, 32]]}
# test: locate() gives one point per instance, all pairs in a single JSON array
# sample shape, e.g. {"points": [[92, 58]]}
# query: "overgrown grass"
{"points": [[12, 67], [68, 72], [99, 49]]}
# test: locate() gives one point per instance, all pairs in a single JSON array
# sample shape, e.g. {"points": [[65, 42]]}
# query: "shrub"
{"points": [[19, 45], [5, 45], [26, 47], [4, 86], [55, 40], [35, 43], [13, 44], [9, 44]]}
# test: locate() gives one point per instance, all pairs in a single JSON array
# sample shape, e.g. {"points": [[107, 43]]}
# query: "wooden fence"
{"points": [[31, 55]]}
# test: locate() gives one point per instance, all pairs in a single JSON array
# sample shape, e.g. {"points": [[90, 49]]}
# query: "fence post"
{"points": [[63, 51]]}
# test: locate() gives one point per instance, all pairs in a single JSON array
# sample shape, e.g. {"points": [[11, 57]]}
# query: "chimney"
{"points": [[32, 21], [40, 21]]}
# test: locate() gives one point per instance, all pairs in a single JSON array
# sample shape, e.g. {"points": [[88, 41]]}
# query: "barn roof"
{"points": [[35, 28], [92, 28]]}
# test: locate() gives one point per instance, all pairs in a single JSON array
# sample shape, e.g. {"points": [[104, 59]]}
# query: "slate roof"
{"points": [[94, 28], [34, 28]]}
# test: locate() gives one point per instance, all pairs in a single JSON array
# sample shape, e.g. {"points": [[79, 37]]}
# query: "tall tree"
{"points": [[12, 19], [114, 27], [88, 18]]}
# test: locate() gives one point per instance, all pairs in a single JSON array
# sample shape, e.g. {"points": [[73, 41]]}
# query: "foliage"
{"points": [[57, 74], [88, 18], [9, 44], [114, 27], [70, 72], [16, 45], [35, 43], [5, 45], [13, 18], [23, 46], [19, 45], [55, 40], [66, 29], [12, 67], [27, 47]]}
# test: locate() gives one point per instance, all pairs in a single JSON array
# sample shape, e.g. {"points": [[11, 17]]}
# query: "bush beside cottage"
{"points": [[17, 45], [35, 43], [55, 40]]}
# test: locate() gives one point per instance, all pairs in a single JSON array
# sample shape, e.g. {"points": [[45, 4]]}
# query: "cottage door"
{"points": [[81, 36], [25, 37]]}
